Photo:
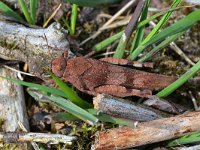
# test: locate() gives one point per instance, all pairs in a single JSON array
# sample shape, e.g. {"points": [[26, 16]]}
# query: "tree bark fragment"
{"points": [[147, 132], [121, 108], [36, 47]]}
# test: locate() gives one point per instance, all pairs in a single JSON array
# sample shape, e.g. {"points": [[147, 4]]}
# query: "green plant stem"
{"points": [[156, 29], [9, 12], [25, 11], [140, 31], [187, 139], [129, 30], [162, 22], [74, 18], [66, 105], [103, 44], [180, 26], [66, 24], [172, 87], [160, 46], [33, 9], [70, 94]]}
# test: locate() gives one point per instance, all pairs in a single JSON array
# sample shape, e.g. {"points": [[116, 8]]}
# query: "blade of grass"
{"points": [[48, 90], [114, 120], [103, 44], [172, 87], [9, 12], [37, 87], [163, 44], [39, 96], [163, 21], [69, 107], [180, 26], [156, 29], [71, 94], [146, 21], [119, 52], [66, 24], [33, 9], [63, 116], [25, 11], [140, 31], [74, 18], [187, 139]]}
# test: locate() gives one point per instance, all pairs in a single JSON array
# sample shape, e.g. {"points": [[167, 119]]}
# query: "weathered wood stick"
{"points": [[121, 108], [163, 105], [147, 132], [12, 105], [13, 137], [36, 47]]}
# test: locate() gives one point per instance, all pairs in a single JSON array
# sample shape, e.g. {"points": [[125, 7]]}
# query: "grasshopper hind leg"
{"points": [[121, 91]]}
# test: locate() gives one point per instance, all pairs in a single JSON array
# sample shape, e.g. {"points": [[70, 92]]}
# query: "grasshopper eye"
{"points": [[59, 65]]}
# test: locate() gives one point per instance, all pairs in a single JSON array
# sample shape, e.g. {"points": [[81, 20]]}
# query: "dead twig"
{"points": [[181, 53], [29, 45], [193, 101], [52, 15], [18, 71], [13, 137], [123, 109], [147, 132]]}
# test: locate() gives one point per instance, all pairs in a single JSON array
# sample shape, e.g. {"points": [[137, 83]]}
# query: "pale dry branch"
{"points": [[124, 109], [12, 137], [36, 47], [147, 132]]}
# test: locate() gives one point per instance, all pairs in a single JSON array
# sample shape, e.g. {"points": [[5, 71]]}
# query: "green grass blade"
{"points": [[62, 116], [140, 31], [187, 139], [9, 12], [70, 94], [172, 87], [163, 44], [33, 8], [162, 22], [66, 24], [25, 11], [180, 26], [119, 52], [146, 21], [111, 119], [103, 44], [100, 46], [69, 107], [37, 87], [74, 18]]}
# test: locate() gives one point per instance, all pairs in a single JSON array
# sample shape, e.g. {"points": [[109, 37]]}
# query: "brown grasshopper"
{"points": [[106, 76]]}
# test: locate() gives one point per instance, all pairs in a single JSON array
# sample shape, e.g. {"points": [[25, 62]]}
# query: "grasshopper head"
{"points": [[59, 65]]}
